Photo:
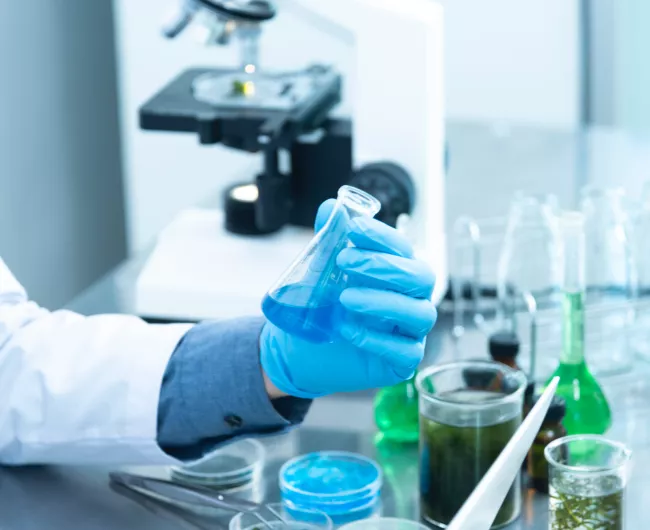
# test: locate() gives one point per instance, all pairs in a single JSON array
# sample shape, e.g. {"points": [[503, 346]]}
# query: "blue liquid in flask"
{"points": [[302, 313], [305, 301]]}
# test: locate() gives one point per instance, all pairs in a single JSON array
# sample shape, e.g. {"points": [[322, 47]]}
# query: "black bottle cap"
{"points": [[557, 410], [529, 393], [479, 378], [504, 345]]}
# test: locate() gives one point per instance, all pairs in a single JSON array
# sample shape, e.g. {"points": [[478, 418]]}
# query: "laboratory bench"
{"points": [[504, 158]]}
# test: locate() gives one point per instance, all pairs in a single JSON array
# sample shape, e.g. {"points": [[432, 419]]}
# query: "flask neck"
{"points": [[573, 329]]}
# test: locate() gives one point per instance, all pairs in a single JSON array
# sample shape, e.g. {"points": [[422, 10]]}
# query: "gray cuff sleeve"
{"points": [[213, 391]]}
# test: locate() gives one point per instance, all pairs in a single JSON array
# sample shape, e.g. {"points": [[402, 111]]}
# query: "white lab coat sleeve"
{"points": [[75, 389]]}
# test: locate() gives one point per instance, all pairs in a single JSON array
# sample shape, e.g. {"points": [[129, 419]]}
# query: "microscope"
{"points": [[218, 263]]}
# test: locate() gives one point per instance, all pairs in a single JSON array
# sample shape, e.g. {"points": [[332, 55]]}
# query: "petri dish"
{"points": [[274, 516], [346, 486], [385, 523], [230, 467]]}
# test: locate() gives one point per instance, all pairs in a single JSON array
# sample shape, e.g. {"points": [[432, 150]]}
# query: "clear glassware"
{"points": [[587, 480], [305, 300], [641, 338], [276, 517], [528, 278], [469, 410], [587, 409], [611, 280]]}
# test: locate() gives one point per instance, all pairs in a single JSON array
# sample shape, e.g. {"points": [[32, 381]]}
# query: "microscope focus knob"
{"points": [[391, 185]]}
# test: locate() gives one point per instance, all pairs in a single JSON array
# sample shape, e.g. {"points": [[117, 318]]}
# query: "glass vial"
{"points": [[587, 410], [551, 430], [611, 280], [304, 302], [587, 480]]}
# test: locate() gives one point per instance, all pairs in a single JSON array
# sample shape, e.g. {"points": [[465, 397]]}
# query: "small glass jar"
{"points": [[588, 476], [469, 411], [551, 430]]}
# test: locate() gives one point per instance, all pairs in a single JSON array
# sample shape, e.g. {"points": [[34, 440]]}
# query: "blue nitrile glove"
{"points": [[386, 318]]}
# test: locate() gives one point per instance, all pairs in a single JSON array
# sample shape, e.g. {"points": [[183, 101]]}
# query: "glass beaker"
{"points": [[587, 480], [304, 301], [611, 280], [469, 410]]}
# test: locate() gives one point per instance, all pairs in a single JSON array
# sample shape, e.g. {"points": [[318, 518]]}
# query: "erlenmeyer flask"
{"points": [[530, 258], [530, 269], [611, 280], [304, 301]]}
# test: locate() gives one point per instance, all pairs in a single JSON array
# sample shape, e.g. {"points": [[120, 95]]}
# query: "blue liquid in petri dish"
{"points": [[343, 485], [302, 312]]}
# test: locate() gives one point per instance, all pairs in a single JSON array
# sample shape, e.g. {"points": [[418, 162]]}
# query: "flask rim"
{"points": [[358, 200]]}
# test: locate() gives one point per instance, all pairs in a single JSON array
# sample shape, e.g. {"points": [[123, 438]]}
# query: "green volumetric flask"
{"points": [[396, 412], [587, 410]]}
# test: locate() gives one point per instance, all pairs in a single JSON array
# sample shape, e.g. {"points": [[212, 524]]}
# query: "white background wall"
{"points": [[507, 60]]}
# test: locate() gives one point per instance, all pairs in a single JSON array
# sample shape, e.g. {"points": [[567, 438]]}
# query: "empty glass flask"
{"points": [[529, 261], [611, 280], [305, 301]]}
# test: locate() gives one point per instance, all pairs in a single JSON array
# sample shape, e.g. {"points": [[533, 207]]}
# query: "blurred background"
{"points": [[82, 187]]}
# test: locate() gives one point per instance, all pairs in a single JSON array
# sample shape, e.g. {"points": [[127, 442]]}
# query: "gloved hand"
{"points": [[386, 316]]}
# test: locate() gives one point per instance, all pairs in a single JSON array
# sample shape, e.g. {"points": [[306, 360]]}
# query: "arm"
{"points": [[107, 389]]}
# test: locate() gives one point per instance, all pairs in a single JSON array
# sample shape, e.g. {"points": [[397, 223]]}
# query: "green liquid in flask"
{"points": [[587, 410], [396, 412]]}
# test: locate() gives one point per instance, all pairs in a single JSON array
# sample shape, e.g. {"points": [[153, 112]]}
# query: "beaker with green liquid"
{"points": [[587, 410]]}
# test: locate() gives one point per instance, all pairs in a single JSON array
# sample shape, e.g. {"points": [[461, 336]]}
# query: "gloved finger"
{"points": [[391, 312], [371, 234], [401, 354], [385, 271], [323, 214]]}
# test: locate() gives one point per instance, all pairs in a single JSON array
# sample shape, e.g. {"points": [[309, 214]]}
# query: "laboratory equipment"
{"points": [[177, 515], [587, 480], [185, 495], [276, 517], [396, 412], [399, 462], [641, 337], [469, 411], [529, 260], [611, 280], [233, 466], [485, 502], [385, 523], [587, 409], [551, 430], [206, 263], [304, 302], [345, 486]]}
